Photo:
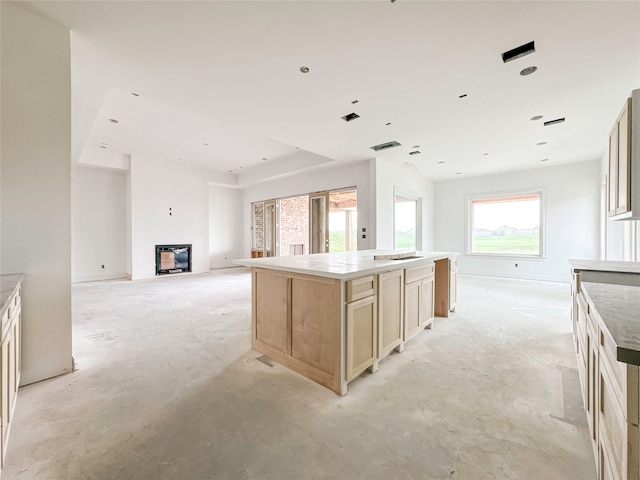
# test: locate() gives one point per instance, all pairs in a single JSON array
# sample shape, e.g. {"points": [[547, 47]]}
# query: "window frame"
{"points": [[398, 192], [540, 191]]}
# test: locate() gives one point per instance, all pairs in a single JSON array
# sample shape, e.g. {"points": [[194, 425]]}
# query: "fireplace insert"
{"points": [[173, 259]]}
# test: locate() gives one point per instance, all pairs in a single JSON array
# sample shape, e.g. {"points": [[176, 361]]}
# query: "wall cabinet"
{"points": [[10, 358], [623, 178]]}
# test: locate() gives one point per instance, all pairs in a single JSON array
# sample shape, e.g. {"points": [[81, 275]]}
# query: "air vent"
{"points": [[350, 116], [519, 52], [553, 122], [415, 152], [384, 146]]}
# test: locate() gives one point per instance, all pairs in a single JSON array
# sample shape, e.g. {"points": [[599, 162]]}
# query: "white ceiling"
{"points": [[228, 74]]}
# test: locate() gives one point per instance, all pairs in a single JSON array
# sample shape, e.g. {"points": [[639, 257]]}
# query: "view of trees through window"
{"points": [[507, 225]]}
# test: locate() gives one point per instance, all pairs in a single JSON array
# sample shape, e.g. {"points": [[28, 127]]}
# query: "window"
{"points": [[506, 224], [406, 222]]}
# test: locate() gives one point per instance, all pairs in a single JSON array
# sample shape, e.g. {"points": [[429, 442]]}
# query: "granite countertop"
{"points": [[605, 266], [8, 285], [344, 265], [618, 307]]}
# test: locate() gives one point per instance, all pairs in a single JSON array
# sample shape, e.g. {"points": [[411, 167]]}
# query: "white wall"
{"points": [[98, 224], [388, 178], [36, 210], [314, 180], [572, 194], [225, 226], [156, 187]]}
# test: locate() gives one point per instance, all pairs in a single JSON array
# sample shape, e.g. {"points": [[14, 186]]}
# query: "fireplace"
{"points": [[173, 259]]}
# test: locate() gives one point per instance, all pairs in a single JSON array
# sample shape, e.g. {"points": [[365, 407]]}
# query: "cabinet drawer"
{"points": [[417, 273], [623, 378], [361, 288]]}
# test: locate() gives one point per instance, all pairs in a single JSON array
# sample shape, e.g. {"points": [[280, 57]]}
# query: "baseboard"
{"points": [[104, 276]]}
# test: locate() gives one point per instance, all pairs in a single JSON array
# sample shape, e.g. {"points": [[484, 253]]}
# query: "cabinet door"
{"points": [[390, 310], [453, 286], [271, 310], [412, 314], [315, 322], [362, 336], [613, 171], [427, 301], [6, 389], [624, 162]]}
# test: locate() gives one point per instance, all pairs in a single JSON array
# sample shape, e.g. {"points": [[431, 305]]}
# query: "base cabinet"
{"points": [[362, 336], [418, 300], [610, 392], [10, 368], [390, 312]]}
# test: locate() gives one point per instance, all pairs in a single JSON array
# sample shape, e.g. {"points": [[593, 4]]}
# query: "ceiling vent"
{"points": [[553, 122], [384, 146], [519, 52], [350, 116]]}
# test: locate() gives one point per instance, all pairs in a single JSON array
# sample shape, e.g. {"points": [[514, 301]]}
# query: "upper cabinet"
{"points": [[624, 162]]}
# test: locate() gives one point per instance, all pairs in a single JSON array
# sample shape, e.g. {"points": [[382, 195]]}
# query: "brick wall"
{"points": [[294, 224], [258, 225]]}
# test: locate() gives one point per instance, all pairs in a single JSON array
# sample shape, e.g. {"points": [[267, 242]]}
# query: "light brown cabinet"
{"points": [[623, 177], [330, 329], [418, 299], [610, 389], [10, 359], [390, 312]]}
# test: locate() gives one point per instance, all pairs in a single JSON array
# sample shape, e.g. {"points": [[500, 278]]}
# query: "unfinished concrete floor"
{"points": [[168, 387]]}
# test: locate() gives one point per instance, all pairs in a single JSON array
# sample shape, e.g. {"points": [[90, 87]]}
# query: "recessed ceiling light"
{"points": [[416, 146], [528, 71], [458, 173], [230, 171], [541, 143], [265, 159], [441, 161], [462, 96], [544, 160], [304, 69], [135, 94], [387, 124], [354, 101], [113, 120], [415, 152], [537, 117], [485, 154]]}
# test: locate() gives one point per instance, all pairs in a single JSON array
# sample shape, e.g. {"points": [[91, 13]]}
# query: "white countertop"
{"points": [[344, 265], [8, 286], [605, 266]]}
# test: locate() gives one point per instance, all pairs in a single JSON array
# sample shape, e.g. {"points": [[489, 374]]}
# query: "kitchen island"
{"points": [[332, 316]]}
